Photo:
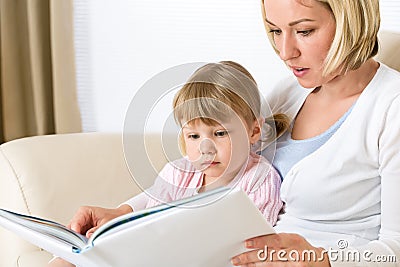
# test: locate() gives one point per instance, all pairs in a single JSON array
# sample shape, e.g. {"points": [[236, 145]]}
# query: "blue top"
{"points": [[289, 151]]}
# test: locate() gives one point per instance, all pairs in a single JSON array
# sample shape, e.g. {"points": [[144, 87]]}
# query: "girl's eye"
{"points": [[221, 133], [305, 33], [193, 136]]}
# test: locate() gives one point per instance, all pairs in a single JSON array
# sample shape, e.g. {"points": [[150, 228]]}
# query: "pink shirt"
{"points": [[179, 179]]}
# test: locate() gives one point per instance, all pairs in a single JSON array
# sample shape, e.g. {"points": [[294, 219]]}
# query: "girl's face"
{"points": [[219, 150], [303, 32]]}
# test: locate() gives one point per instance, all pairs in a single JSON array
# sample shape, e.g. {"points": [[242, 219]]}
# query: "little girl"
{"points": [[218, 110]]}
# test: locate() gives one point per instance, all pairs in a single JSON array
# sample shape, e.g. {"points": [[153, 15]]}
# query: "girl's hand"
{"points": [[88, 219], [281, 250], [58, 262]]}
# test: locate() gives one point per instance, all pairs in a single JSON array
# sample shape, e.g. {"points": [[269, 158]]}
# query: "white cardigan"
{"points": [[348, 189]]}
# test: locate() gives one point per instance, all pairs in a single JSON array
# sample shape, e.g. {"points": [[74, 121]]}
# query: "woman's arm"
{"points": [[385, 250]]}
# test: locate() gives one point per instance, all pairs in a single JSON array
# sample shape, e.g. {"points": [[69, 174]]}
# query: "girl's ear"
{"points": [[255, 131]]}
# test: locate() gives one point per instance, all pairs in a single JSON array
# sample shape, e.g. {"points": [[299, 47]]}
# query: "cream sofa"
{"points": [[51, 176]]}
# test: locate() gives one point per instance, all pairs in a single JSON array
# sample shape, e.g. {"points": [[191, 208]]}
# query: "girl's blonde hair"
{"points": [[218, 90], [355, 40]]}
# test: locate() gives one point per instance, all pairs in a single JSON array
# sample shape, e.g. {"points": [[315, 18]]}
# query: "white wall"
{"points": [[120, 44], [130, 41]]}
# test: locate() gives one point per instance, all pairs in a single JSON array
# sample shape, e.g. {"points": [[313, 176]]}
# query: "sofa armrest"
{"points": [[51, 176]]}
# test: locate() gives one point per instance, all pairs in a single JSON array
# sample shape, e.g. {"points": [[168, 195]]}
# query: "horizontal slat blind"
{"points": [[390, 15], [121, 43]]}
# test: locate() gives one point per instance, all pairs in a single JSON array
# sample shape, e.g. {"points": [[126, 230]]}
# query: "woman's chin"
{"points": [[307, 84]]}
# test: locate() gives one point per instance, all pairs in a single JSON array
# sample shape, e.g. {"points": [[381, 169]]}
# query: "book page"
{"points": [[46, 227], [209, 235], [138, 217]]}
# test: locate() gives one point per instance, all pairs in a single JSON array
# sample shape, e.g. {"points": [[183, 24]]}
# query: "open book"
{"points": [[204, 230]]}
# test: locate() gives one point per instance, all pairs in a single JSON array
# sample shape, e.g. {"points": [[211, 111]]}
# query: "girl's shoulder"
{"points": [[258, 174], [179, 170], [286, 97]]}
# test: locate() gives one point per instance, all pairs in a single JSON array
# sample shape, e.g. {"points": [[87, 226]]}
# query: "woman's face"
{"points": [[303, 32]]}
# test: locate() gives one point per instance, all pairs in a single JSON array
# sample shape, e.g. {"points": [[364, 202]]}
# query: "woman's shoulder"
{"points": [[385, 86], [388, 75]]}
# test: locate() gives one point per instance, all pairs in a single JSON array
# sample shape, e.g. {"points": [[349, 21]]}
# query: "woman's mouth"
{"points": [[299, 72]]}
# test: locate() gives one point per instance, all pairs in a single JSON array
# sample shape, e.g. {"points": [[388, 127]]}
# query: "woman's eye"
{"points": [[193, 136], [275, 32], [221, 133], [305, 33]]}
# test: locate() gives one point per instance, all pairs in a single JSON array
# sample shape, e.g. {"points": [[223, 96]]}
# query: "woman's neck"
{"points": [[350, 84]]}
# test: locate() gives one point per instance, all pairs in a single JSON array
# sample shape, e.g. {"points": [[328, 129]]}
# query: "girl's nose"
{"points": [[207, 146]]}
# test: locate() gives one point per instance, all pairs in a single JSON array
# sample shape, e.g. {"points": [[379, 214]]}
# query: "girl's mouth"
{"points": [[210, 163]]}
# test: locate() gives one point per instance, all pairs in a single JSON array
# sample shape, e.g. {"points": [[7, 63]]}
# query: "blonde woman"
{"points": [[340, 159]]}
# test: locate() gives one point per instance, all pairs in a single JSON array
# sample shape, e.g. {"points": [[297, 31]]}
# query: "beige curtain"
{"points": [[37, 71]]}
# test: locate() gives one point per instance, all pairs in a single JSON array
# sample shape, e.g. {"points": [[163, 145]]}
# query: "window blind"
{"points": [[390, 15], [120, 44]]}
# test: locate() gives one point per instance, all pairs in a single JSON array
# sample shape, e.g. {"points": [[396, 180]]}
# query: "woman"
{"points": [[339, 162]]}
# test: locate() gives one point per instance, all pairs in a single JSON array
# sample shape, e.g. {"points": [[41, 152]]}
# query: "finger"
{"points": [[91, 231], [293, 257], [249, 257], [258, 256], [259, 245], [276, 241], [263, 246], [82, 221], [79, 225], [271, 264], [271, 257]]}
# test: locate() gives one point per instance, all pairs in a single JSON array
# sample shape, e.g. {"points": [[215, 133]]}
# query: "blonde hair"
{"points": [[355, 40], [217, 90]]}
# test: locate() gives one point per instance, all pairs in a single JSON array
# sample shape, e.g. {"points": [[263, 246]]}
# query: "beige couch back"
{"points": [[389, 52]]}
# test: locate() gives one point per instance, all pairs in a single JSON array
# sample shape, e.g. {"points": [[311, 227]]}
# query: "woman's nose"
{"points": [[287, 48], [207, 146]]}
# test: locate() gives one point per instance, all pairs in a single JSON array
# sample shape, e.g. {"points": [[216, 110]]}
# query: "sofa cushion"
{"points": [[34, 259]]}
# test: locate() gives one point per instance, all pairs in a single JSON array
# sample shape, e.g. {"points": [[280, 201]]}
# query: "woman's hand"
{"points": [[87, 219], [281, 250]]}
